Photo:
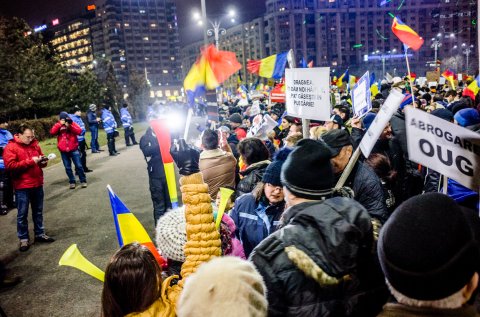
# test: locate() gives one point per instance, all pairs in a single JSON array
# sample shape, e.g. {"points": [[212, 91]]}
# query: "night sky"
{"points": [[37, 12]]}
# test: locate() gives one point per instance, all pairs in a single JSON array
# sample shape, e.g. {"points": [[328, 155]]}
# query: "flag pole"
{"points": [[409, 74]]}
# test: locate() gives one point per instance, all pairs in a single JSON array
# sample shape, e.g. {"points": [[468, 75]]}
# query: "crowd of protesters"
{"points": [[387, 243]]}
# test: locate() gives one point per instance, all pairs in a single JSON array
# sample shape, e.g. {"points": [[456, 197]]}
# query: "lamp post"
{"points": [[216, 29], [467, 51], [435, 45]]}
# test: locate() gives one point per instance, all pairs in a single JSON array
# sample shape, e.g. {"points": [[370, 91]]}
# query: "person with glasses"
{"points": [[257, 214], [24, 160]]}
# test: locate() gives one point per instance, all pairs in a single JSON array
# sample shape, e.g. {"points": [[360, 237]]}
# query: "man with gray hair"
{"points": [[429, 253]]}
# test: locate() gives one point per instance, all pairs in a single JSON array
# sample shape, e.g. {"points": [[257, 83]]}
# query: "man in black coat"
{"points": [[321, 262], [365, 183]]}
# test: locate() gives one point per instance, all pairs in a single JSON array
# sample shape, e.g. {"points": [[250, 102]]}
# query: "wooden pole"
{"points": [[348, 169], [409, 75]]}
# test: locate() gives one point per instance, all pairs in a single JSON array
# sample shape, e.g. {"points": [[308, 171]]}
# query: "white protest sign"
{"points": [[388, 109], [442, 80], [444, 147], [460, 77], [308, 93], [422, 81], [255, 109], [362, 103]]}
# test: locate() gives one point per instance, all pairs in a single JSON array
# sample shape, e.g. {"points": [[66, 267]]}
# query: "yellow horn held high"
{"points": [[225, 194], [72, 257]]}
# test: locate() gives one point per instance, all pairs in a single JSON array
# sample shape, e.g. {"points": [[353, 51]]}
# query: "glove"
{"points": [[185, 157]]}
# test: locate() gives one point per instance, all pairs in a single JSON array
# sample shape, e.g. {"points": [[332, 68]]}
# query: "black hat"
{"points": [[336, 139], [427, 249], [307, 172], [63, 115], [76, 108], [336, 119], [273, 170], [443, 114], [235, 118]]}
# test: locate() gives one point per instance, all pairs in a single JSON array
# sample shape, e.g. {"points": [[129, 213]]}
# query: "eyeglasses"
{"points": [[275, 188]]}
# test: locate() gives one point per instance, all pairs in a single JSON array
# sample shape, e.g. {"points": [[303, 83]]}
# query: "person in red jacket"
{"points": [[66, 131], [24, 161]]}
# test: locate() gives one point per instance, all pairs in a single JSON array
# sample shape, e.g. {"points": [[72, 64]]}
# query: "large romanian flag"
{"points": [[269, 67], [211, 69], [472, 89], [450, 76], [406, 34], [129, 229]]}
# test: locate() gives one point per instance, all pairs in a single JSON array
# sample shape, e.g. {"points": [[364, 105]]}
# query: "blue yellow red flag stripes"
{"points": [[406, 34], [269, 67]]}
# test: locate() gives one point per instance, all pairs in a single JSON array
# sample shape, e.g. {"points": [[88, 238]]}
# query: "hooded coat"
{"points": [[321, 263]]}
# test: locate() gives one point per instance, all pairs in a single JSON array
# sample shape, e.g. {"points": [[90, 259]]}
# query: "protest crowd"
{"points": [[280, 215]]}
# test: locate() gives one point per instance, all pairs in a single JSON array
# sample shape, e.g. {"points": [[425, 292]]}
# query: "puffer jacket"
{"points": [[203, 244], [126, 118], [251, 176], [66, 136], [5, 136], [255, 220], [368, 190], [218, 170], [78, 120], [322, 262], [109, 123], [18, 161]]}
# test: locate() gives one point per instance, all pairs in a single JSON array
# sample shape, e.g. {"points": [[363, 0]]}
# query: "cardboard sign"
{"points": [[308, 93], [433, 76], [444, 147], [362, 103], [388, 109]]}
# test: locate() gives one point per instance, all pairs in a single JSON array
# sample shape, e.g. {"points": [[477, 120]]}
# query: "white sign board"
{"points": [[444, 147], [362, 103], [442, 80], [422, 81], [388, 109], [308, 93]]}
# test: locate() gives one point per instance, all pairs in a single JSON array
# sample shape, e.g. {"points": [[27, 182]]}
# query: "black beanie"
{"points": [[427, 248], [307, 172], [63, 115], [273, 170]]}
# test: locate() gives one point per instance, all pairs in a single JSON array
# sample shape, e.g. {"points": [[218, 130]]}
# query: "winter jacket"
{"points": [[151, 151], [66, 136], [321, 262], [399, 310], [92, 118], [251, 176], [463, 195], [78, 120], [255, 220], [18, 161], [368, 190], [241, 133], [126, 118], [5, 136], [109, 123], [218, 170]]}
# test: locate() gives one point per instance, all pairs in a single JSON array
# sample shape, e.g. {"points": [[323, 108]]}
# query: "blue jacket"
{"points": [[5, 136], [78, 120], [92, 118], [109, 123], [255, 220], [126, 118], [462, 195]]}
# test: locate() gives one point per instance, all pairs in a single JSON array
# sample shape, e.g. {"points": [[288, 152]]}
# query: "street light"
{"points": [[435, 45], [216, 29], [467, 51]]}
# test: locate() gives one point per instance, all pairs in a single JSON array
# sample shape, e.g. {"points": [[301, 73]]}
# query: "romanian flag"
{"points": [[269, 67], [373, 85], [472, 89], [406, 35], [343, 78], [160, 128], [129, 229], [450, 76], [211, 69], [352, 81]]}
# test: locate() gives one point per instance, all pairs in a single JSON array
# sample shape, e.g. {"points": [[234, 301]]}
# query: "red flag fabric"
{"points": [[406, 34]]}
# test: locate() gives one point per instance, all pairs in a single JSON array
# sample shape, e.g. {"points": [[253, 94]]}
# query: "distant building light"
{"points": [[91, 7], [55, 22], [40, 28], [153, 25], [142, 11], [126, 25], [172, 58], [145, 38], [165, 71]]}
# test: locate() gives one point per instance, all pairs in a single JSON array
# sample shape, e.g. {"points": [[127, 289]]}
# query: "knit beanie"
{"points": [[92, 107], [225, 286], [307, 172], [63, 115], [467, 117], [171, 235], [274, 169], [443, 114], [236, 118], [368, 120], [427, 248]]}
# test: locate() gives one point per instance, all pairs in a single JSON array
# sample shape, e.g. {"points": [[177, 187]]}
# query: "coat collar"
{"points": [[207, 154]]}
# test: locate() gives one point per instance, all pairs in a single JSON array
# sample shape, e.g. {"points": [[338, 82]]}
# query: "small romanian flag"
{"points": [[406, 34], [269, 67], [472, 89], [343, 78], [129, 229], [450, 76]]}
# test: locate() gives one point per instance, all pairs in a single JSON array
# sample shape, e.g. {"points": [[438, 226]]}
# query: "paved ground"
{"points": [[81, 216]]}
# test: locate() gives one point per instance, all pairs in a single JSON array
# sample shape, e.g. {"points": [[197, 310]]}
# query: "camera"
{"points": [[69, 120], [43, 159]]}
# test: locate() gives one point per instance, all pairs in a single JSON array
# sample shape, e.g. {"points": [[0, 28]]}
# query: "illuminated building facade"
{"points": [[72, 43]]}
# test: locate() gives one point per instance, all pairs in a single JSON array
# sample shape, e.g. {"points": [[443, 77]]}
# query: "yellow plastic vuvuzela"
{"points": [[72, 257], [225, 194]]}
